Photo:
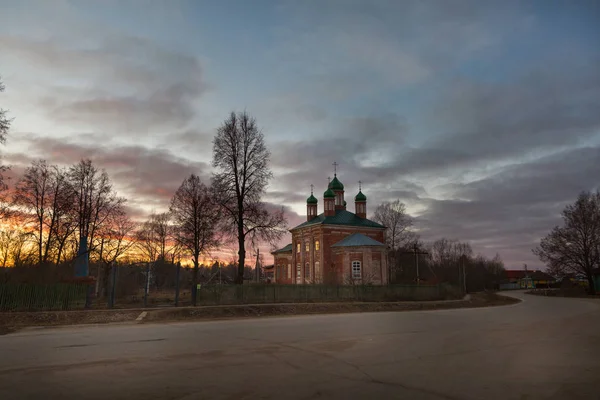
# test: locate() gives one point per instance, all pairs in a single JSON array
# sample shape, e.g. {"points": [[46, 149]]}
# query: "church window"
{"points": [[317, 270], [298, 272], [289, 271], [307, 247], [298, 248], [356, 272], [307, 271], [317, 245]]}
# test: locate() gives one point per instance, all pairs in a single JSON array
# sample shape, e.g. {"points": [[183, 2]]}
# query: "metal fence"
{"points": [[40, 297], [167, 284]]}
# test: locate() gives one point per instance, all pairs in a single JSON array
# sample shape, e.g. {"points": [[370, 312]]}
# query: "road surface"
{"points": [[542, 348]]}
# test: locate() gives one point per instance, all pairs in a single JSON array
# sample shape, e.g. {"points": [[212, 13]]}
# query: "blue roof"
{"points": [[357, 239], [341, 217], [285, 249]]}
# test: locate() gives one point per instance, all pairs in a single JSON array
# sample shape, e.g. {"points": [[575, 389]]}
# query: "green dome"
{"points": [[360, 197], [329, 194], [312, 200], [335, 184]]}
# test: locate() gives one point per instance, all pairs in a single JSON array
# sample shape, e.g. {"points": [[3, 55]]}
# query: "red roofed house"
{"points": [[336, 246]]}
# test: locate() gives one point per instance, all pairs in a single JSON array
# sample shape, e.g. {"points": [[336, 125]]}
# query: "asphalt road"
{"points": [[542, 348]]}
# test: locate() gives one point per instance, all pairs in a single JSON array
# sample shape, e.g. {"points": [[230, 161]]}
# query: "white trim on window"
{"points": [[356, 270]]}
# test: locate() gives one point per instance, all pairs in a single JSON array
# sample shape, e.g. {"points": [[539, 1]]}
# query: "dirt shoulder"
{"points": [[10, 322], [572, 292]]}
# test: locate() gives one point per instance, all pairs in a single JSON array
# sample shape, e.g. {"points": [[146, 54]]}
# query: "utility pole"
{"points": [[257, 267], [464, 273], [417, 252], [417, 263]]}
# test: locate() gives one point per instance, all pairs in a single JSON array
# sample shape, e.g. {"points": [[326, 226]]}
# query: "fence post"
{"points": [[146, 285], [111, 299], [177, 285]]}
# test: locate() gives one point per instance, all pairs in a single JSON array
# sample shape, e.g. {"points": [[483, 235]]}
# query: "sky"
{"points": [[482, 117]]}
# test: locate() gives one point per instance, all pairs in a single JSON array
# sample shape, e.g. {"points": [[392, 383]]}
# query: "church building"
{"points": [[336, 246]]}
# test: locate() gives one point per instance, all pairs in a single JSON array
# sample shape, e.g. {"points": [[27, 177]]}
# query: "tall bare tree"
{"points": [[33, 196], [115, 238], [153, 237], [394, 217], [242, 162], [4, 120], [95, 203], [575, 246], [195, 221], [5, 123], [60, 222]]}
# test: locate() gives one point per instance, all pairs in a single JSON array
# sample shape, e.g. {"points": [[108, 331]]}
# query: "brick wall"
{"points": [[320, 261]]}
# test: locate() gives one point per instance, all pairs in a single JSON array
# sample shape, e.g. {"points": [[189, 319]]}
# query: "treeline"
{"points": [[444, 260], [55, 215], [449, 261]]}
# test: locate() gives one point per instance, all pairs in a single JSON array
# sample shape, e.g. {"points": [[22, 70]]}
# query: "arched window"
{"points": [[356, 270], [298, 248], [298, 272], [307, 247], [307, 271], [317, 245], [317, 270]]}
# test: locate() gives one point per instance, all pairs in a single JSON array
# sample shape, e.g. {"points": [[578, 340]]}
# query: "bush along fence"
{"points": [[259, 294], [41, 297]]}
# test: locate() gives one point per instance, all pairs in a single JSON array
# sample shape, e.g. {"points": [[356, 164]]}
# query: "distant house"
{"points": [[520, 279]]}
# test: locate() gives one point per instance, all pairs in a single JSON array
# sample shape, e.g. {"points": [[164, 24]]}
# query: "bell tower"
{"points": [[311, 205], [338, 189], [360, 203]]}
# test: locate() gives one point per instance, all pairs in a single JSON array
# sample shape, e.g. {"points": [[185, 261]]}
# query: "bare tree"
{"points": [[195, 221], [95, 203], [61, 222], [575, 246], [242, 161], [154, 236], [10, 236], [115, 240], [394, 217], [33, 196], [4, 120], [5, 123], [446, 253]]}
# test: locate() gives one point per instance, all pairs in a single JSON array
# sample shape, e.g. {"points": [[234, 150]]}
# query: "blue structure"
{"points": [[82, 261]]}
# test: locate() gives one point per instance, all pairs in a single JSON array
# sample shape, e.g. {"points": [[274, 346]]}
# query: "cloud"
{"points": [[118, 83], [510, 211], [148, 178]]}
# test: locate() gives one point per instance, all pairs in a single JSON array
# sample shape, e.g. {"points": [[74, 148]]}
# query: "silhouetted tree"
{"points": [[95, 201], [33, 196], [5, 123], [242, 161], [575, 246], [114, 241], [397, 222], [195, 221], [4, 120]]}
